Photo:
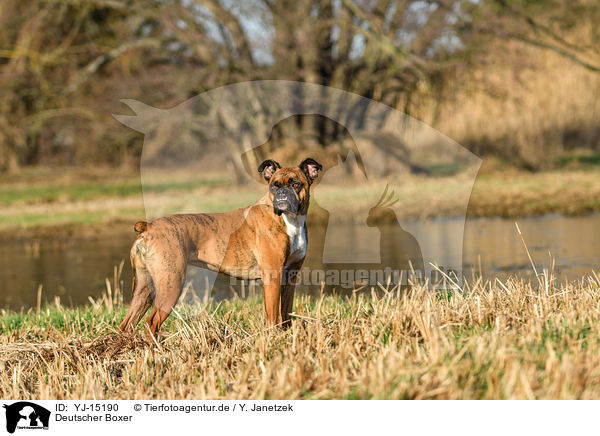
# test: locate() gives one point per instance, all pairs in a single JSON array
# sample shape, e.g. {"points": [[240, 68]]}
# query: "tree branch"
{"points": [[105, 58]]}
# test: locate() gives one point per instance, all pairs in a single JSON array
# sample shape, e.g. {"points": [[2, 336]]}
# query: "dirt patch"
{"points": [[111, 346], [73, 354]]}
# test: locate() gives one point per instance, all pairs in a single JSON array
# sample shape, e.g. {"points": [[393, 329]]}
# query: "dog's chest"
{"points": [[294, 225]]}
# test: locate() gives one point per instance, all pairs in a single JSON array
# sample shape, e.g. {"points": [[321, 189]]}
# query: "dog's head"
{"points": [[289, 188]]}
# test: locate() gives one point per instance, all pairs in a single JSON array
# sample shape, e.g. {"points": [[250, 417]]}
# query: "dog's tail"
{"points": [[140, 226]]}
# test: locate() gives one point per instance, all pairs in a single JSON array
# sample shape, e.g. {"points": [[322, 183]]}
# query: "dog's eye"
{"points": [[273, 187], [296, 185]]}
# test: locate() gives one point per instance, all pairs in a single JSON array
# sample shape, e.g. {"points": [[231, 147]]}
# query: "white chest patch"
{"points": [[294, 225]]}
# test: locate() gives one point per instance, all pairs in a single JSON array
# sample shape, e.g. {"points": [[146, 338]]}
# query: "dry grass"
{"points": [[493, 340]]}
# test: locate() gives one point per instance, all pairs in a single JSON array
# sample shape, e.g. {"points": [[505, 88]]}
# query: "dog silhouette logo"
{"points": [[26, 415], [363, 146]]}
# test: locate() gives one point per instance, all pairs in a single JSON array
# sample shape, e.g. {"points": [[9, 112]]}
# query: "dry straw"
{"points": [[493, 340]]}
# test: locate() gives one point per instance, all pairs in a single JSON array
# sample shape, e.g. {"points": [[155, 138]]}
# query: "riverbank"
{"points": [[42, 202], [505, 340]]}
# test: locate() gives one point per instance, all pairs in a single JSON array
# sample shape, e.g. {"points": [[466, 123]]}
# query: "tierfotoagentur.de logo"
{"points": [[25, 415]]}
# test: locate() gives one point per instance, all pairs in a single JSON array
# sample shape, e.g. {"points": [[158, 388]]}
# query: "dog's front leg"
{"points": [[288, 288], [271, 278]]}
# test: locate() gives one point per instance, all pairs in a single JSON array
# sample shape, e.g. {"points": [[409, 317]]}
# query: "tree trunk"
{"points": [[9, 161]]}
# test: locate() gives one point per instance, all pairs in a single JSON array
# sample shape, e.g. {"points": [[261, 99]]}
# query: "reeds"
{"points": [[525, 105]]}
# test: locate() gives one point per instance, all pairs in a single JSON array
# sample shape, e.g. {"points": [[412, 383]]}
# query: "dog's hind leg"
{"points": [[142, 289], [141, 300], [168, 285]]}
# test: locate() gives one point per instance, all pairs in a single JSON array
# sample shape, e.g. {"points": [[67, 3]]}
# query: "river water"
{"points": [[76, 268]]}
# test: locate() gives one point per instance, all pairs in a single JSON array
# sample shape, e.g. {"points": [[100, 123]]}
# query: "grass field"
{"points": [[493, 340], [44, 200]]}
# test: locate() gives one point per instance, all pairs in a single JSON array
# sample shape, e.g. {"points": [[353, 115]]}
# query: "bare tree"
{"points": [[57, 56]]}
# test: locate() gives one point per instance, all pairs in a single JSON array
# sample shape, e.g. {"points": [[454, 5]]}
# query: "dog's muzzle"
{"points": [[285, 200]]}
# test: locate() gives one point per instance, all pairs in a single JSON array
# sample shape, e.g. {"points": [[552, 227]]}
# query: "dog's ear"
{"points": [[311, 168], [268, 168]]}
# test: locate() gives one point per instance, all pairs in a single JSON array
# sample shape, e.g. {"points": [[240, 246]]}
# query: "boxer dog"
{"points": [[266, 240]]}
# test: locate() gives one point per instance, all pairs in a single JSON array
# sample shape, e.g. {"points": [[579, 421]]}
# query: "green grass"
{"points": [[47, 198], [78, 192], [579, 159], [58, 318], [77, 218], [90, 190]]}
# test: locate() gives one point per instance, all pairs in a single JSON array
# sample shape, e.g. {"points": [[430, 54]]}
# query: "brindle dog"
{"points": [[266, 240]]}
